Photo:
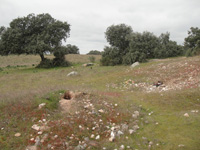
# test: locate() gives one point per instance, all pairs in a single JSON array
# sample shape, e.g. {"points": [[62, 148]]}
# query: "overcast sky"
{"points": [[90, 18]]}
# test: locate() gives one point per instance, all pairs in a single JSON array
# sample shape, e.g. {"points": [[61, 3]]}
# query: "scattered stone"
{"points": [[135, 127], [181, 145], [124, 127], [35, 127], [136, 113], [134, 116], [37, 141], [194, 111], [131, 131], [119, 133], [40, 132], [41, 105], [112, 136], [73, 73], [135, 64], [92, 136], [97, 137], [17, 134], [186, 115], [128, 147], [101, 111], [122, 147], [150, 143], [87, 139]]}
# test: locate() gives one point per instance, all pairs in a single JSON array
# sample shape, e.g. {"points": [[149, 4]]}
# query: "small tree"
{"points": [[116, 36], [192, 42], [92, 59], [111, 56], [94, 52], [34, 35], [72, 49]]}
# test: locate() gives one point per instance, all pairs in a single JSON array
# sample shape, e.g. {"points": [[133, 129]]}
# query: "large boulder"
{"points": [[135, 64], [73, 73]]}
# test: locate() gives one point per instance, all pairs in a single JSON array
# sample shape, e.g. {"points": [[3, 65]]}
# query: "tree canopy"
{"points": [[72, 49], [34, 34], [94, 52], [192, 42]]}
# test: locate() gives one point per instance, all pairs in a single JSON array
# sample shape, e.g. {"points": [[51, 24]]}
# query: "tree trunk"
{"points": [[42, 57]]}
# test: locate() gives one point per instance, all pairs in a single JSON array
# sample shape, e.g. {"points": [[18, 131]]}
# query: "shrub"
{"points": [[46, 63], [111, 56], [92, 59]]}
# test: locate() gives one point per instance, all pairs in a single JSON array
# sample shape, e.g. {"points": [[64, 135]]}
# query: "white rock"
{"points": [[119, 133], [128, 147], [131, 131], [136, 113], [181, 145], [41, 105], [92, 136], [134, 116], [111, 139], [37, 141], [101, 111], [122, 147], [97, 137], [150, 143], [35, 127], [116, 105], [40, 132], [186, 115], [73, 73], [17, 134], [135, 64], [113, 128]]}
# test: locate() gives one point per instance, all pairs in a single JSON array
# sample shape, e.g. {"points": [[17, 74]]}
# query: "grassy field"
{"points": [[119, 91], [32, 60]]}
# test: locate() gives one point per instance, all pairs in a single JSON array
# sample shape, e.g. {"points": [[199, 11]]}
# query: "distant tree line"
{"points": [[94, 52], [38, 34], [127, 47]]}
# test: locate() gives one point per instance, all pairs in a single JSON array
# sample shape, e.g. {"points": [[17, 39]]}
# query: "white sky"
{"points": [[89, 19]]}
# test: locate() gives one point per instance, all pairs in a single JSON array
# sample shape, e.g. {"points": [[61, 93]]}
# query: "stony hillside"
{"points": [[154, 105]]}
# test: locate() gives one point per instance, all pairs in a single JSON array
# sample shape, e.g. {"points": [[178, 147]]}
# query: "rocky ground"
{"points": [[173, 75], [93, 121]]}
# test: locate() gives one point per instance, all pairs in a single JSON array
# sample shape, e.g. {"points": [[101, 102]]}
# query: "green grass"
{"points": [[24, 87]]}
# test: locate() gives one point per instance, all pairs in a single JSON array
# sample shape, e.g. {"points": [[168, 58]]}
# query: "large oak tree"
{"points": [[33, 34]]}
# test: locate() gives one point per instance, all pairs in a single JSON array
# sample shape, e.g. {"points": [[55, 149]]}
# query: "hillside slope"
{"points": [[107, 108]]}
